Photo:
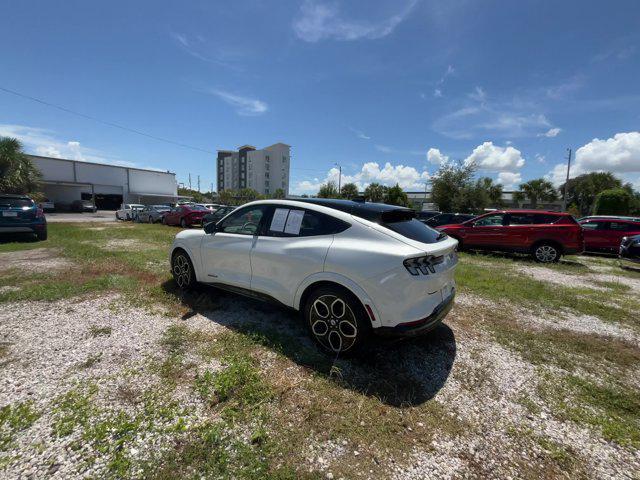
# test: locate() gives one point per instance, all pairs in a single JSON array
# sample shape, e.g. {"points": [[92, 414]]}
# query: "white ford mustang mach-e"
{"points": [[351, 267]]}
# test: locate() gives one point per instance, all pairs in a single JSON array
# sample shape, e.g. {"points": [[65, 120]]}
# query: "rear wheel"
{"points": [[42, 235], [150, 219], [164, 221], [182, 270], [546, 253], [183, 223], [336, 320]]}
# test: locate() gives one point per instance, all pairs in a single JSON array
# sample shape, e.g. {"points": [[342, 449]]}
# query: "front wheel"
{"points": [[182, 270], [546, 253], [336, 320], [150, 219], [183, 223]]}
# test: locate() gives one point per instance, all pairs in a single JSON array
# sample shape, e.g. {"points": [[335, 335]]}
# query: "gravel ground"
{"points": [[35, 260], [55, 346]]}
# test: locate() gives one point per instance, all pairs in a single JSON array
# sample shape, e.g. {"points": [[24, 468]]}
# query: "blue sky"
{"points": [[386, 89]]}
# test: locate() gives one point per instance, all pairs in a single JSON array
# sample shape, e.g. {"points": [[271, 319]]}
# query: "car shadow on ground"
{"points": [[401, 373]]}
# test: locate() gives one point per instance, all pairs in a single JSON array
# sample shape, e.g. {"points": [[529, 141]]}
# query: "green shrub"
{"points": [[615, 201]]}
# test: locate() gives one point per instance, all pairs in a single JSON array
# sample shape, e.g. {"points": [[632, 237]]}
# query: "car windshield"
{"points": [[15, 202]]}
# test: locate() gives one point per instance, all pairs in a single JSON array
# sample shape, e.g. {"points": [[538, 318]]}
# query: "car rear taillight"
{"points": [[424, 265], [39, 213]]}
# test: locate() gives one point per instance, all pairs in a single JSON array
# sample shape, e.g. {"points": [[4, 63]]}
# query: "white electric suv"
{"points": [[351, 267]]}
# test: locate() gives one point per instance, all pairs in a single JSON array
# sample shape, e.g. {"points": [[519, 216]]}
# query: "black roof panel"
{"points": [[366, 210]]}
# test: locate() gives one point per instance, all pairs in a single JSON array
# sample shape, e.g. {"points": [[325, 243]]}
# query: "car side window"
{"points": [[302, 223], [490, 221], [522, 219], [619, 226], [244, 222], [591, 225]]}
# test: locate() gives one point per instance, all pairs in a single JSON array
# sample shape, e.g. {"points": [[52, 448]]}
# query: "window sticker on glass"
{"points": [[294, 222], [279, 219]]}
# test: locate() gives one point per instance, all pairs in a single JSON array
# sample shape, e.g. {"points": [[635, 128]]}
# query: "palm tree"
{"points": [[494, 190], [375, 192], [349, 190], [17, 172], [536, 190], [329, 190]]}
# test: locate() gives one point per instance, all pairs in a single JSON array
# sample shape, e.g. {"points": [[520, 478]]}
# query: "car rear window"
{"points": [[15, 202], [415, 230], [199, 208]]}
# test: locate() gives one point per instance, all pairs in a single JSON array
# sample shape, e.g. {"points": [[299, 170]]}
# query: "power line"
{"points": [[105, 122]]}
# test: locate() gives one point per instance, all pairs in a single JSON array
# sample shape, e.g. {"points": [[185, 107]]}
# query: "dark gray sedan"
{"points": [[152, 213]]}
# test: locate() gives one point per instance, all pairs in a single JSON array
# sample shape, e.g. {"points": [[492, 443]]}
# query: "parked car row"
{"points": [[185, 214]]}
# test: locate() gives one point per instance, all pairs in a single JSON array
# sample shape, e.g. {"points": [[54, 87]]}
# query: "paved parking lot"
{"points": [[106, 370], [99, 216]]}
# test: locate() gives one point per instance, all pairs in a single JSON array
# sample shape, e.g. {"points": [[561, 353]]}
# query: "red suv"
{"points": [[185, 215], [545, 235], [605, 234]]}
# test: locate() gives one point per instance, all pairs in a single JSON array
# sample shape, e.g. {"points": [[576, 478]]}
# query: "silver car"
{"points": [[152, 213]]}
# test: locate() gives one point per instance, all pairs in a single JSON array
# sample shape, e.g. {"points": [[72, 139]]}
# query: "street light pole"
{"points": [[339, 177], [564, 194]]}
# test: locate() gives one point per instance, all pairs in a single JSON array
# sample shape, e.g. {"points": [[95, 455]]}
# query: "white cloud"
{"points": [[198, 47], [478, 94], [437, 93], [492, 157], [484, 118], [552, 132], [244, 105], [435, 156], [360, 134], [540, 158], [322, 21], [509, 180], [619, 154], [39, 141], [407, 177]]}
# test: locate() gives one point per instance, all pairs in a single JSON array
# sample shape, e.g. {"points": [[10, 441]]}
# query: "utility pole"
{"points": [[189, 181], [198, 183], [564, 194], [339, 177]]}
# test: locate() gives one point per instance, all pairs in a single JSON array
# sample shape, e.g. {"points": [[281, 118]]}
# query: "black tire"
{"points": [[150, 219], [128, 218], [182, 270], [183, 223], [546, 252], [336, 321], [164, 221], [42, 236], [117, 217]]}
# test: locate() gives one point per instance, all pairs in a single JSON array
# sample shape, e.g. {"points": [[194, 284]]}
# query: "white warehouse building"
{"points": [[64, 181]]}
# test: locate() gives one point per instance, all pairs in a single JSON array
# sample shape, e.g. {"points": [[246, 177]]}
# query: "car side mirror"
{"points": [[210, 228]]}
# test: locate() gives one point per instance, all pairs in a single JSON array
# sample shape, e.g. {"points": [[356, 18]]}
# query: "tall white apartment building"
{"points": [[263, 170]]}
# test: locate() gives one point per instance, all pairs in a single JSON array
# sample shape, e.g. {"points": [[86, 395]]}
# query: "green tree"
{"points": [[349, 191], [279, 193], [396, 196], [329, 190], [493, 191], [583, 189], [448, 183], [17, 172], [615, 201], [537, 190], [375, 193]]}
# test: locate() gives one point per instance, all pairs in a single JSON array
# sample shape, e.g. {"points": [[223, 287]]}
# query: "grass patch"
{"points": [[96, 331], [614, 409], [565, 348], [13, 420], [502, 287], [90, 361]]}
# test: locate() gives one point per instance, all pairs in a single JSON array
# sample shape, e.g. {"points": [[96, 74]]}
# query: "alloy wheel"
{"points": [[546, 253], [333, 323], [181, 270]]}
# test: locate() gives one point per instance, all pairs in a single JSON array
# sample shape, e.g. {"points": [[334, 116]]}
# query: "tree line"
{"points": [[454, 188]]}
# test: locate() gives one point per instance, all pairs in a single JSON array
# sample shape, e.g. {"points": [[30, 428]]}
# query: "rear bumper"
{"points": [[422, 326]]}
